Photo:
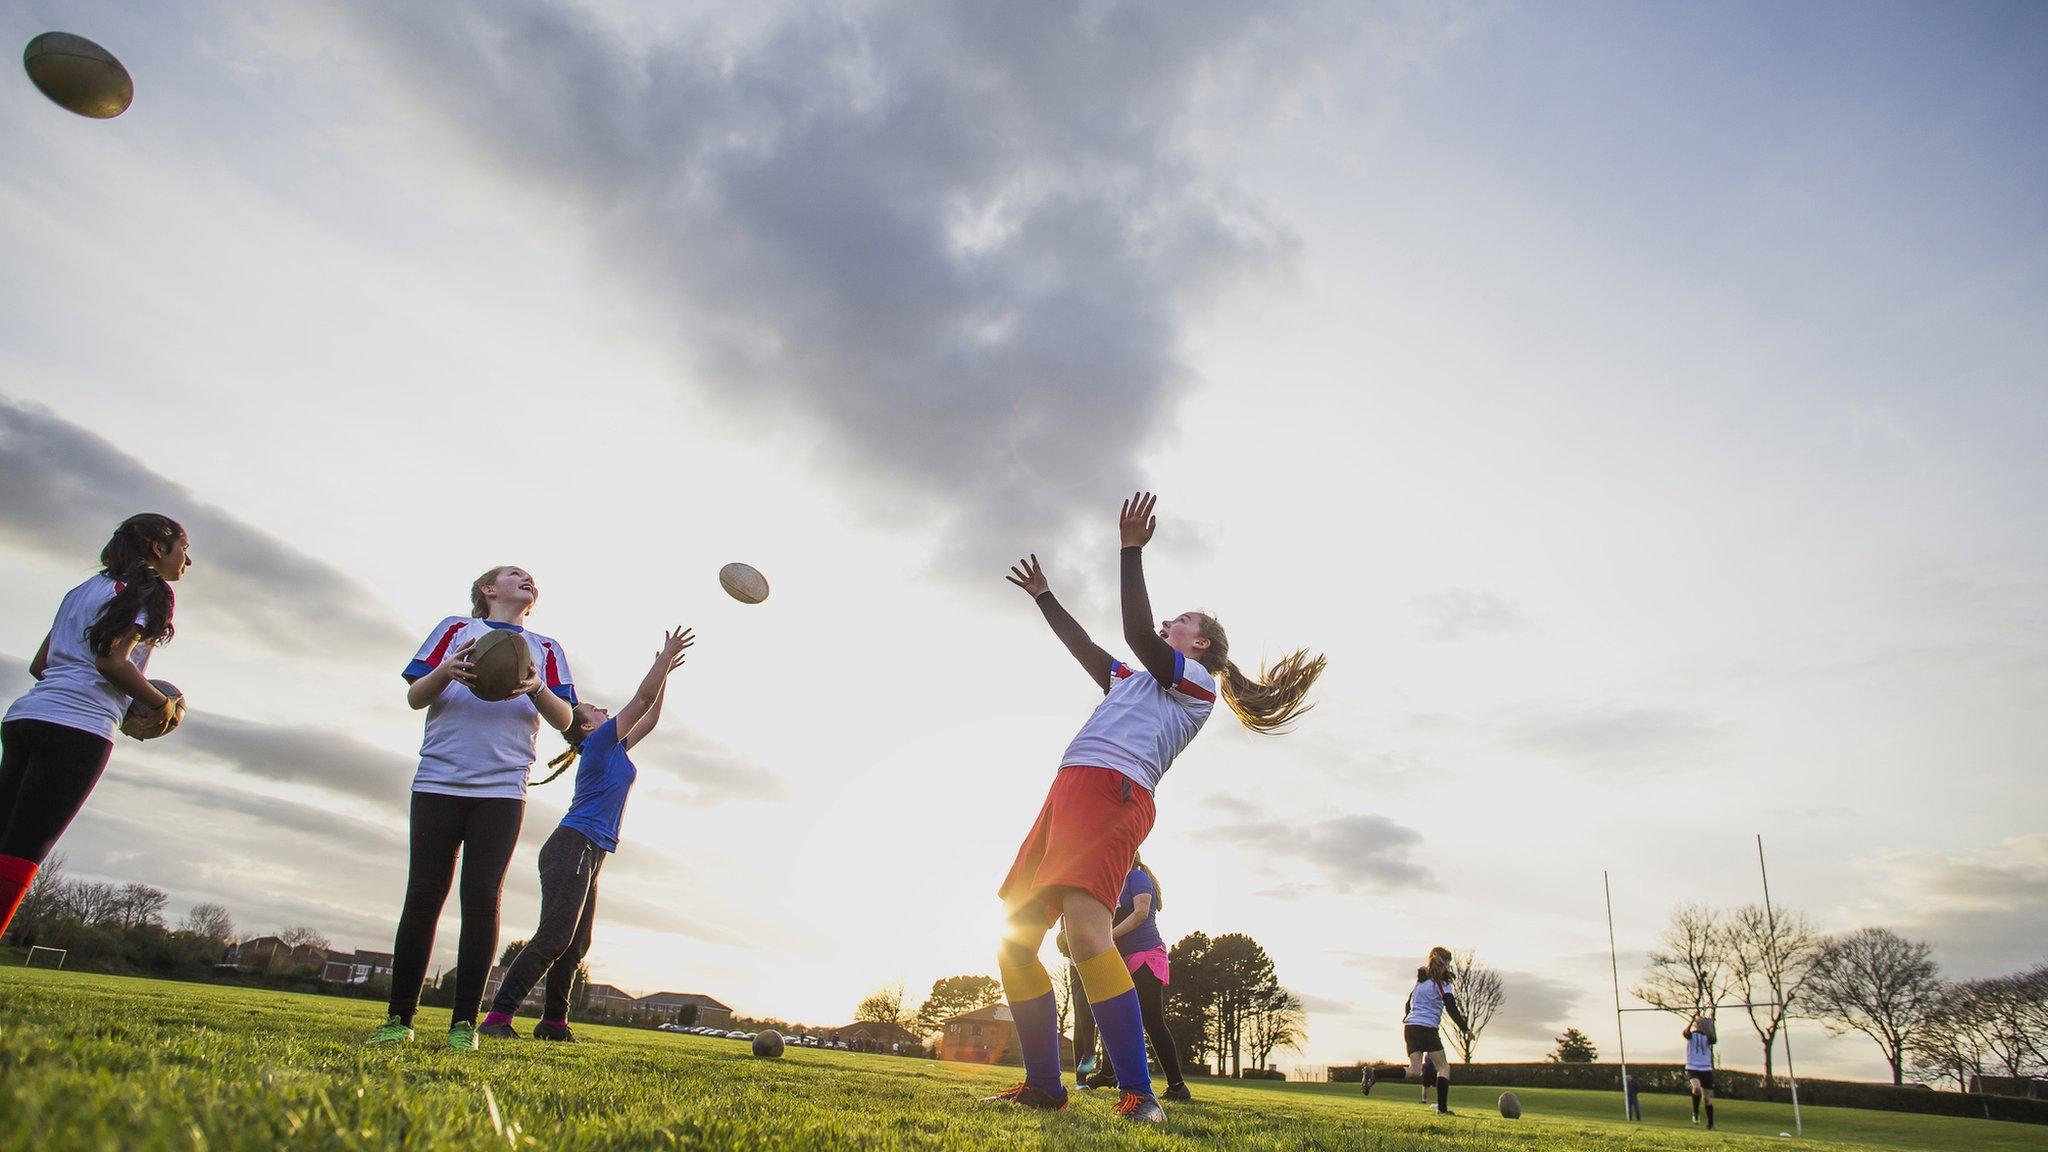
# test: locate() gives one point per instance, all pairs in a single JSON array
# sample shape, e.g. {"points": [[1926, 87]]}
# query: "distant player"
{"points": [[1075, 859], [469, 795], [589, 832], [1700, 1038], [56, 739], [1428, 1003]]}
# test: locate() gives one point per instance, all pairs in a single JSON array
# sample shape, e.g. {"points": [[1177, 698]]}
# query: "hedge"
{"points": [[1729, 1085]]}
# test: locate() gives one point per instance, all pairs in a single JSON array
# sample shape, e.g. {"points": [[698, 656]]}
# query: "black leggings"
{"points": [[569, 864], [485, 830], [1152, 1003], [46, 772]]}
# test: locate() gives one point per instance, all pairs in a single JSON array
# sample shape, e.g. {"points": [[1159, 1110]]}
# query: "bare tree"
{"points": [[2009, 1011], [1947, 1046], [211, 921], [1275, 1019], [299, 936], [140, 905], [91, 902], [1481, 994], [1771, 953], [1689, 970], [884, 1005], [1879, 983]]}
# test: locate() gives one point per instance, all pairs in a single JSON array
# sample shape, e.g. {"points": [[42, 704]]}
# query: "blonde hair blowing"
{"points": [[1272, 700], [1440, 964], [478, 606]]}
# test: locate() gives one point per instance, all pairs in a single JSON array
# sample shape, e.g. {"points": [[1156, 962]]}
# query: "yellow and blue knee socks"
{"points": [[1029, 988], [1119, 1019]]}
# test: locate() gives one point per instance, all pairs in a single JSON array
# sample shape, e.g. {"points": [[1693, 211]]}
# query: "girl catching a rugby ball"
{"points": [[589, 831], [1428, 1002], [1074, 860], [469, 795], [89, 673]]}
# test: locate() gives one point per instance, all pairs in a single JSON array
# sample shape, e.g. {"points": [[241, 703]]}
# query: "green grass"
{"points": [[101, 1062]]}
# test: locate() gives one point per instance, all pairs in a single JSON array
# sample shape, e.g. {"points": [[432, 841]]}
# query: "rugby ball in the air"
{"points": [[500, 661], [79, 75], [744, 583], [768, 1043], [144, 724], [1511, 1105]]}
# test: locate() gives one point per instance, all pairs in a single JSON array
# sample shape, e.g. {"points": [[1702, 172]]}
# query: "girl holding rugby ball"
{"points": [[57, 738], [1074, 860], [469, 795]]}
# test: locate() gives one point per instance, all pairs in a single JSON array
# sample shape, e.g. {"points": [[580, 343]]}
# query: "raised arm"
{"points": [[648, 695], [1135, 526], [650, 720], [1096, 661]]}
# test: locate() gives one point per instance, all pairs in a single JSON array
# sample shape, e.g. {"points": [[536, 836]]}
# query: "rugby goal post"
{"points": [[49, 957], [1614, 969]]}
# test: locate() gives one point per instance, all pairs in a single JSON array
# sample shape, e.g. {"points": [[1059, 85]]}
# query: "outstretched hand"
{"points": [[1026, 574], [675, 643], [1137, 523]]}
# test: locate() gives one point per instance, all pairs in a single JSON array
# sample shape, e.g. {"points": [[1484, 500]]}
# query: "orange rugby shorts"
{"points": [[1093, 821]]}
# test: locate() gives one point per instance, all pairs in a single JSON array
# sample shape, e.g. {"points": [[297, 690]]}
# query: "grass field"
{"points": [[99, 1062]]}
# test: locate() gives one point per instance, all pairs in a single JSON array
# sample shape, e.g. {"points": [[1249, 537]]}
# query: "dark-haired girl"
{"points": [[1078, 853], [1421, 1021], [56, 739], [589, 832], [469, 795]]}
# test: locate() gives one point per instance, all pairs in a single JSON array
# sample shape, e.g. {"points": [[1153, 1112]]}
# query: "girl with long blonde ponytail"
{"points": [[1075, 860]]}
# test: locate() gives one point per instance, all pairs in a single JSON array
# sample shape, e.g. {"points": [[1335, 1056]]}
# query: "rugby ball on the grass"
{"points": [[1510, 1106], [500, 661], [768, 1043], [743, 582]]}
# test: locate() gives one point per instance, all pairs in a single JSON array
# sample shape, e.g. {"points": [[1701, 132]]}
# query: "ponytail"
{"points": [[128, 560], [575, 734], [1276, 697], [1158, 893], [1440, 965]]}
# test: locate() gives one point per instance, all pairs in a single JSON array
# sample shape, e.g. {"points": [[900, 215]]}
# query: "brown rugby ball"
{"points": [[500, 660], [143, 724], [78, 75]]}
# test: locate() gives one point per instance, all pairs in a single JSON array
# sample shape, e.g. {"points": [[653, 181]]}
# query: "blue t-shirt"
{"points": [[603, 778], [1145, 936]]}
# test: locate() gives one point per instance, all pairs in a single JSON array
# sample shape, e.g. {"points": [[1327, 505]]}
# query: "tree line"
{"points": [[1871, 981]]}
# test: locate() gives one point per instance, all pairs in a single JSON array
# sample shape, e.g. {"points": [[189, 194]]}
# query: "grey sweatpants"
{"points": [[568, 904]]}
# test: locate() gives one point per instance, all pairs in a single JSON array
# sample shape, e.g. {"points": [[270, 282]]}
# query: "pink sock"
{"points": [[497, 1018]]}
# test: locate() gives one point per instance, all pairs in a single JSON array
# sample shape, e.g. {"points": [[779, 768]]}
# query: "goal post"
{"points": [[41, 957]]}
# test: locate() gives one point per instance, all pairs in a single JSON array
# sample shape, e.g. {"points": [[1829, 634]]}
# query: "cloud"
{"points": [[1537, 1008], [67, 488], [1985, 911], [1460, 613], [1618, 739], [965, 240], [298, 754], [1347, 851]]}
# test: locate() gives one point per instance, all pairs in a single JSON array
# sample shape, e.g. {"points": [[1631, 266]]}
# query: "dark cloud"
{"points": [[963, 239], [296, 754], [1459, 613], [1364, 849], [1537, 1008], [67, 488], [1985, 912]]}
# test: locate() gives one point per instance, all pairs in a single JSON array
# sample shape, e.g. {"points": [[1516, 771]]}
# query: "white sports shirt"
{"points": [[1699, 1053], [1141, 726], [481, 748], [1425, 1005], [72, 692]]}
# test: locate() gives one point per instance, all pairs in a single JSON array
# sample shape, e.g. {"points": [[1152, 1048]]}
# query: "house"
{"points": [[878, 1036], [610, 999], [535, 996], [357, 967], [978, 1037], [264, 953], [682, 1008]]}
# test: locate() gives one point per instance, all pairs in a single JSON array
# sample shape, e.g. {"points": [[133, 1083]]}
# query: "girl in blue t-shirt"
{"points": [[570, 859], [1136, 933]]}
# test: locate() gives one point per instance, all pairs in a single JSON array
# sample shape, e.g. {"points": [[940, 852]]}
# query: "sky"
{"points": [[1639, 405]]}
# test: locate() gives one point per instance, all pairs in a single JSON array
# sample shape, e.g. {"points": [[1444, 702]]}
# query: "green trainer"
{"points": [[392, 1031], [463, 1038]]}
